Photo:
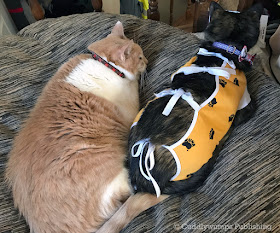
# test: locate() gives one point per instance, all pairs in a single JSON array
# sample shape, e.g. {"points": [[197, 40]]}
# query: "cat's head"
{"points": [[237, 29], [121, 51]]}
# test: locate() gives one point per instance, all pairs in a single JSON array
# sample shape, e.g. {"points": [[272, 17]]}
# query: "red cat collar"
{"points": [[107, 64], [242, 55]]}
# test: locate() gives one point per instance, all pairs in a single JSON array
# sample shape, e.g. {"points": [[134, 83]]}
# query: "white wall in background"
{"points": [[111, 6]]}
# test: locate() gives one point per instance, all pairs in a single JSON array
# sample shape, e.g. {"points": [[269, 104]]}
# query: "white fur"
{"points": [[115, 189], [92, 76]]}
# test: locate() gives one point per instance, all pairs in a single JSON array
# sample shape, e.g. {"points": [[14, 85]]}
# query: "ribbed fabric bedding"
{"points": [[242, 192]]}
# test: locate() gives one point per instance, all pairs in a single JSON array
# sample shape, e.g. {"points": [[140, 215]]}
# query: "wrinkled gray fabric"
{"points": [[244, 185]]}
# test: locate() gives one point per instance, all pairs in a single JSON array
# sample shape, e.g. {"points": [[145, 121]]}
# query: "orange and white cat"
{"points": [[66, 168]]}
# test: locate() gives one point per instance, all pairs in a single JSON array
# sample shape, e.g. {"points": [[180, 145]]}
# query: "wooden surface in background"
{"points": [[97, 5], [153, 12], [195, 18], [244, 4]]}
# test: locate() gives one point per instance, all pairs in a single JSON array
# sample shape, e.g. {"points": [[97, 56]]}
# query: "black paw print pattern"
{"points": [[231, 117], [189, 143], [236, 82], [222, 82], [212, 102], [211, 134]]}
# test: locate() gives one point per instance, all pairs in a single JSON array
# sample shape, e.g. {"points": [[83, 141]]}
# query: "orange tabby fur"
{"points": [[66, 167]]}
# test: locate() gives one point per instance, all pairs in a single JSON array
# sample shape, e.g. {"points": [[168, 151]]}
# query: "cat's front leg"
{"points": [[244, 114], [129, 210]]}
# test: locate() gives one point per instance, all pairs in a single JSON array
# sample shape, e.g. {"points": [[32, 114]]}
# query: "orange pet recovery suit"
{"points": [[211, 121]]}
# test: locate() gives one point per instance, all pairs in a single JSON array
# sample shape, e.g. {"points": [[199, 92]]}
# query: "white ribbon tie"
{"points": [[149, 162], [205, 52], [176, 95]]}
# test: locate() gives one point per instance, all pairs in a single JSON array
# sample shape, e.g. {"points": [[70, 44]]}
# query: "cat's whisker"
{"points": [[143, 79], [136, 38], [143, 83]]}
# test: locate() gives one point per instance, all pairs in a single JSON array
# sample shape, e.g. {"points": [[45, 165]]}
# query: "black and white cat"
{"points": [[156, 136], [170, 138]]}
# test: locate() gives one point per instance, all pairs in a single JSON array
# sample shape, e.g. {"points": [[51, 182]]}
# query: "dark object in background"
{"points": [[17, 13], [272, 7], [68, 7], [131, 7], [271, 28], [22, 16]]}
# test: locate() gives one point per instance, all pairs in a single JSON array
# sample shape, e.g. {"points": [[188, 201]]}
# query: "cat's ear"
{"points": [[256, 10], [125, 50], [214, 7], [118, 30]]}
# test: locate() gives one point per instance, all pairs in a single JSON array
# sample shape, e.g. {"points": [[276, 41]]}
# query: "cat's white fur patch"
{"points": [[92, 76], [115, 189]]}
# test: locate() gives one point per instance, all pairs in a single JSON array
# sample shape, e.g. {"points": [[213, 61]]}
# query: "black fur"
{"points": [[229, 28]]}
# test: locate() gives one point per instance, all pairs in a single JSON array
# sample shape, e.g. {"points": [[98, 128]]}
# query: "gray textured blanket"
{"points": [[241, 194]]}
